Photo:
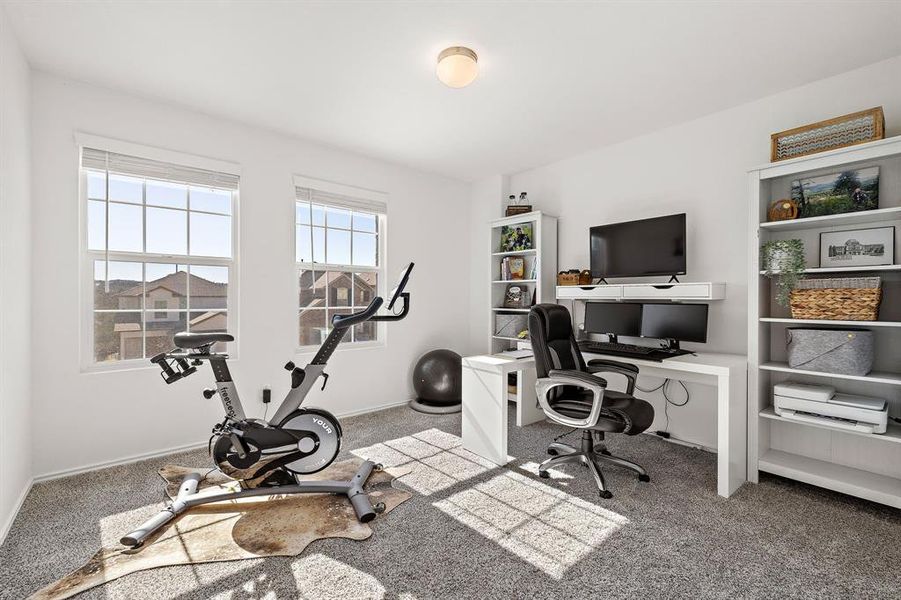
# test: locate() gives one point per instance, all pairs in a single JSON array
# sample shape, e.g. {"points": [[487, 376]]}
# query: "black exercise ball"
{"points": [[437, 380]]}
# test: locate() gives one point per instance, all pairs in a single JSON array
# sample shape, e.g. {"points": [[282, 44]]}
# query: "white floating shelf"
{"points": [[702, 290], [514, 253], [519, 310], [892, 434], [847, 480], [854, 218], [514, 281], [873, 377], [848, 269], [830, 322]]}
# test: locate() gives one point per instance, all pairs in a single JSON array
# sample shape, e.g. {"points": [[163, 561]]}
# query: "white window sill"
{"points": [[142, 364], [307, 350]]}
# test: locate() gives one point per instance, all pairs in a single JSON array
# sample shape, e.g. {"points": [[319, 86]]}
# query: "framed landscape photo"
{"points": [[858, 247], [837, 193]]}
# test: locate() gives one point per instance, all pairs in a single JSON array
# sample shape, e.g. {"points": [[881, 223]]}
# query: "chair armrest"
{"points": [[629, 371], [558, 377]]}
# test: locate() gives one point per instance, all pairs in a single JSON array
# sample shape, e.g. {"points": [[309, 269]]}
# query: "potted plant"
{"points": [[783, 260]]}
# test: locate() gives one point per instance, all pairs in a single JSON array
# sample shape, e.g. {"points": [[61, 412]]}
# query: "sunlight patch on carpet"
{"points": [[546, 527], [318, 576], [436, 459]]}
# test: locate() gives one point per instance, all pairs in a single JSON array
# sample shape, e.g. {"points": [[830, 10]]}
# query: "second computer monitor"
{"points": [[617, 318], [683, 322]]}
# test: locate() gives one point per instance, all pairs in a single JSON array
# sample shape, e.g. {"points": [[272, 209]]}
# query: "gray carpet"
{"points": [[473, 531]]}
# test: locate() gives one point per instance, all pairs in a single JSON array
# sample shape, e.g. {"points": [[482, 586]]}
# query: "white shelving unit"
{"points": [[864, 465], [540, 260]]}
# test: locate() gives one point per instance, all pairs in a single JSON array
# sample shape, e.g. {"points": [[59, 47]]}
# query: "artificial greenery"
{"points": [[783, 260]]}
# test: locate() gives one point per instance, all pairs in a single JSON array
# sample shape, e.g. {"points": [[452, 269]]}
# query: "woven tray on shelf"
{"points": [[844, 299]]}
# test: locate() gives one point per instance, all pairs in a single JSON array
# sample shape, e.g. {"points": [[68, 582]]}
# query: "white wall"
{"points": [[486, 198], [15, 277], [699, 168], [121, 414]]}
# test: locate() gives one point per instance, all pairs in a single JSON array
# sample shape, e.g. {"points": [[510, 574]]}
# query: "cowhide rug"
{"points": [[278, 525]]}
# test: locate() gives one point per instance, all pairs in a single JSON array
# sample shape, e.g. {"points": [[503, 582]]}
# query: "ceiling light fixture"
{"points": [[457, 66]]}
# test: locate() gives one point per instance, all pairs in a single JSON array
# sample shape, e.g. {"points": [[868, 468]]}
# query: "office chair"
{"points": [[570, 394]]}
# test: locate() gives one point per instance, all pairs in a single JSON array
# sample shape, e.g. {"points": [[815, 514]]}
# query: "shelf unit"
{"points": [[541, 259], [863, 465]]}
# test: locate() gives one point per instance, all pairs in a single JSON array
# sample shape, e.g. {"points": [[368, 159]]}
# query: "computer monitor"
{"points": [[680, 322], [613, 318]]}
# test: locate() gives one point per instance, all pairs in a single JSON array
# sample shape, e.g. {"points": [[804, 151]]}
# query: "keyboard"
{"points": [[615, 348]]}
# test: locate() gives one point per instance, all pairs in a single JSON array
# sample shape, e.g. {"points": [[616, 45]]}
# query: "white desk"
{"points": [[485, 403]]}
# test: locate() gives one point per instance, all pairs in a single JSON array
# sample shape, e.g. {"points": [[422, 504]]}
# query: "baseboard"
{"points": [[165, 452], [4, 530], [119, 461]]}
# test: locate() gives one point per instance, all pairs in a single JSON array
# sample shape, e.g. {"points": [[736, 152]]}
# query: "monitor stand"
{"points": [[671, 348]]}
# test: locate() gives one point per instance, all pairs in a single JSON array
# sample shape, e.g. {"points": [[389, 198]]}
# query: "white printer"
{"points": [[819, 404]]}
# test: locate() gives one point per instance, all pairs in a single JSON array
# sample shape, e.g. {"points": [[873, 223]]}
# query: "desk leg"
{"points": [[732, 432], [485, 414], [527, 409]]}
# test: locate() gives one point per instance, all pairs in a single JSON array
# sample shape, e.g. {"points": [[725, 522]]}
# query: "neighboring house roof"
{"points": [[177, 283]]}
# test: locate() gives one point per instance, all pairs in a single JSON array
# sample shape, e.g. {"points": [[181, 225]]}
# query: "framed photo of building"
{"points": [[857, 247]]}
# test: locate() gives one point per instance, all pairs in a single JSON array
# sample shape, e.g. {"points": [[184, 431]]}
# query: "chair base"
{"points": [[589, 455]]}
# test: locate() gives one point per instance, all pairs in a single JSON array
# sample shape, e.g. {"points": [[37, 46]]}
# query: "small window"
{"points": [[340, 262]]}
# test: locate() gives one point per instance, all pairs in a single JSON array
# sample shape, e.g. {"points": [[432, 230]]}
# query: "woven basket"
{"points": [[568, 278], [847, 299]]}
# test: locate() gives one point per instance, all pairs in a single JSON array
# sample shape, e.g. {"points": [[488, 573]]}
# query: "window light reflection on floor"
{"points": [[319, 576]]}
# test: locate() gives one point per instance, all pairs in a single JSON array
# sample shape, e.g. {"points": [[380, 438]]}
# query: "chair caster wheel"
{"points": [[379, 507], [605, 452], [644, 478], [544, 474], [552, 452], [378, 467], [606, 494]]}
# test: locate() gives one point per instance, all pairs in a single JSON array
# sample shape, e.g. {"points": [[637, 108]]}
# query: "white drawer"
{"points": [[667, 291], [597, 292]]}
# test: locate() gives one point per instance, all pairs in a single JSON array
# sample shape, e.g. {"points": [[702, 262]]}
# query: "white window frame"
{"points": [[363, 194], [88, 256]]}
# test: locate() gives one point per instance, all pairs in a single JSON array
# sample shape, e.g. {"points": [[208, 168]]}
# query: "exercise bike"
{"points": [[270, 457]]}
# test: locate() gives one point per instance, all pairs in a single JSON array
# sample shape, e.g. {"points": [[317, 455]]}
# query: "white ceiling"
{"points": [[557, 77]]}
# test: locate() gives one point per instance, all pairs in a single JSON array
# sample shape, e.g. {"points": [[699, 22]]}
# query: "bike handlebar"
{"points": [[345, 321]]}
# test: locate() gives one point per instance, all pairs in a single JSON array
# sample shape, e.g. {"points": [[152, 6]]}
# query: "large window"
{"points": [[340, 262], [160, 250]]}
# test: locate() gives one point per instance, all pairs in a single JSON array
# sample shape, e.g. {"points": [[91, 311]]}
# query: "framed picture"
{"points": [[516, 296], [837, 193], [516, 237], [858, 247]]}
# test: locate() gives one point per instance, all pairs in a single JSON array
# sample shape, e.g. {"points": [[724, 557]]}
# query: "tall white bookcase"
{"points": [[541, 261], [863, 465]]}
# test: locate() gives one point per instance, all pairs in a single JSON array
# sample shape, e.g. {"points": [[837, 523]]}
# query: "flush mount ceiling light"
{"points": [[457, 66]]}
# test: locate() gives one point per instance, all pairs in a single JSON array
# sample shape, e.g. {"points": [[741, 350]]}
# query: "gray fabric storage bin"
{"points": [[842, 351]]}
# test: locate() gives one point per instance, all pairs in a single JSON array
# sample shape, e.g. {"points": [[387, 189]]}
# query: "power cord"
{"points": [[664, 433]]}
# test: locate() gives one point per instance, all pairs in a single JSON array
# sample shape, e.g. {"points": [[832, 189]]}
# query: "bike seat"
{"points": [[188, 341]]}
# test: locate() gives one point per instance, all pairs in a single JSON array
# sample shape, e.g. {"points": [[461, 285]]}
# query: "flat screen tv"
{"points": [[639, 248]]}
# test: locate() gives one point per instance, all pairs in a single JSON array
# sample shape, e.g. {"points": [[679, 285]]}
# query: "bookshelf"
{"points": [[539, 276], [863, 465]]}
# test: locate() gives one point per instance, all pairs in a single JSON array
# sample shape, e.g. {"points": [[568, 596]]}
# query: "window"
{"points": [[340, 262], [159, 241]]}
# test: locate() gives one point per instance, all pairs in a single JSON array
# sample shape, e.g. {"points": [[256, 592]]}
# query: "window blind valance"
{"points": [[305, 194], [134, 166]]}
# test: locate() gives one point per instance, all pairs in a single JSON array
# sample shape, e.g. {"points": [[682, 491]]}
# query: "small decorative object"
{"points": [[857, 247], [570, 277], [783, 260], [841, 351], [512, 267], [837, 193], [533, 272], [838, 299], [516, 237], [516, 296], [585, 277], [518, 207], [785, 209], [847, 130]]}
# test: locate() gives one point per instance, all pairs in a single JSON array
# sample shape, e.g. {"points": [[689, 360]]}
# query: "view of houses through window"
{"points": [[339, 266], [161, 252]]}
